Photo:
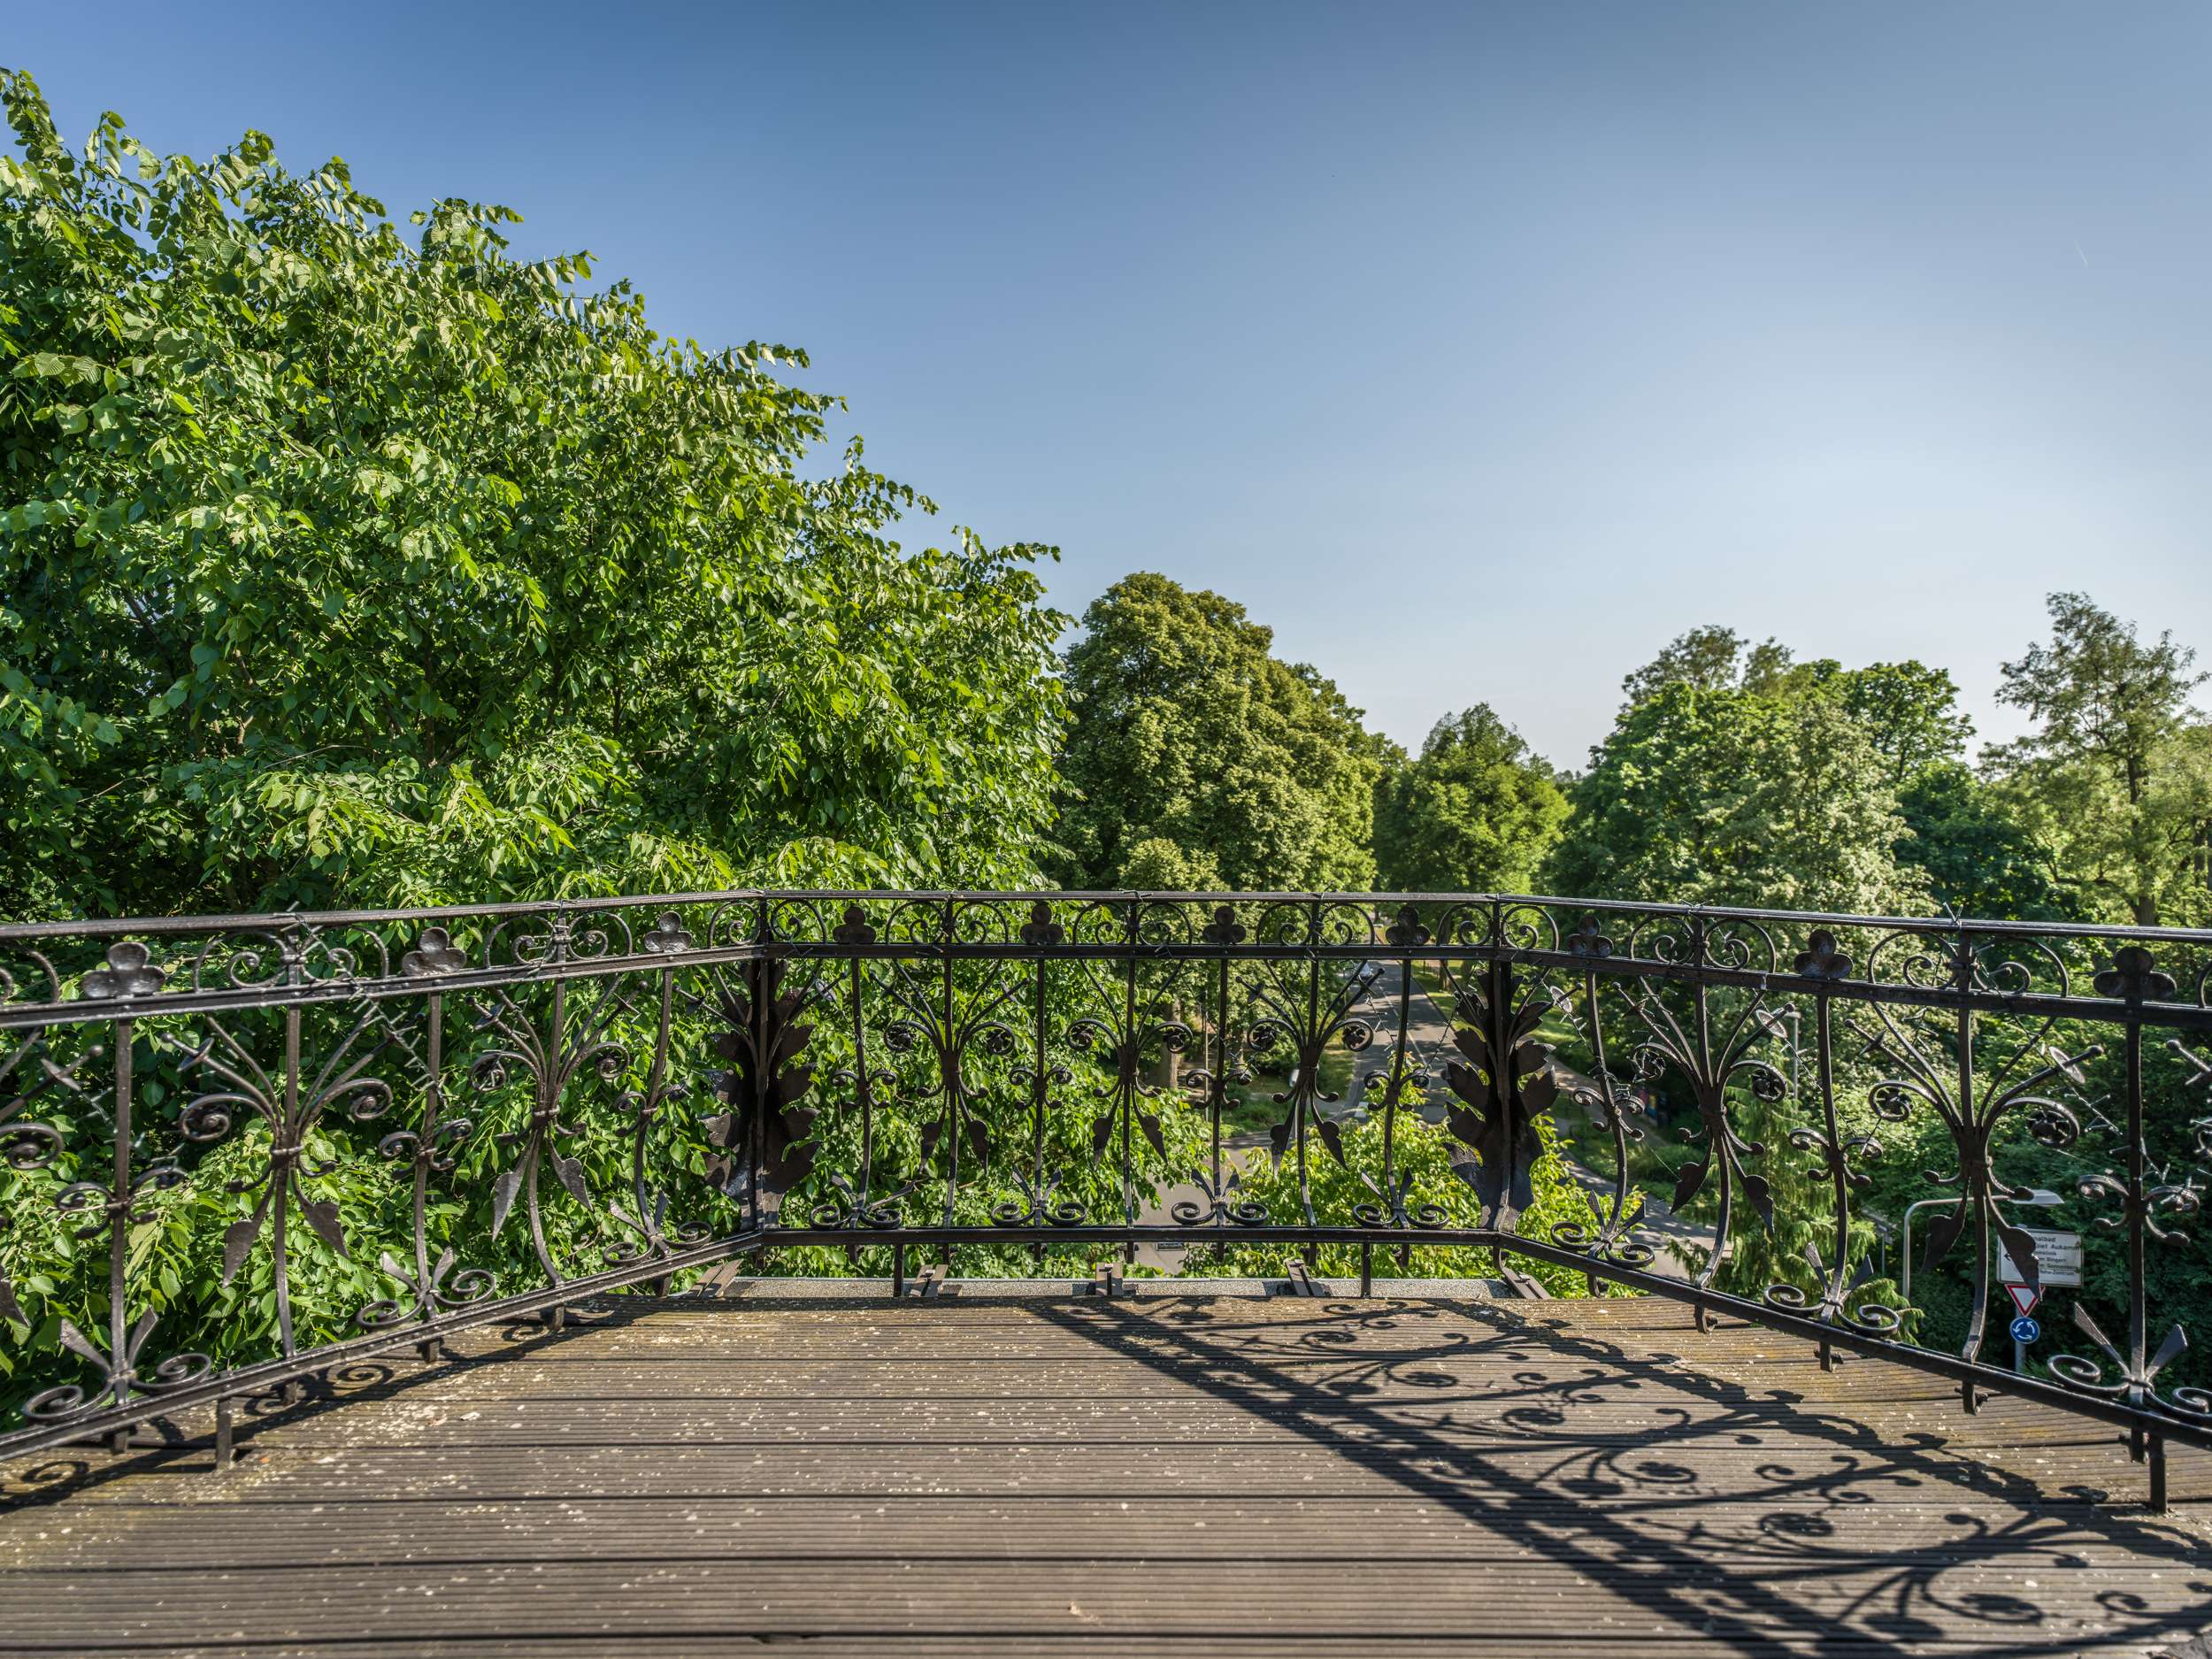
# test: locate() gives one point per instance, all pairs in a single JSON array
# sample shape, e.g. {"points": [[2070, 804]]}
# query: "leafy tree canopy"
{"points": [[1476, 812], [1704, 743], [1194, 751], [351, 563], [1732, 797], [1710, 658], [1910, 712], [2115, 779], [1977, 857]]}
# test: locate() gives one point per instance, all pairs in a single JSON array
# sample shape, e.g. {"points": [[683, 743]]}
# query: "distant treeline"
{"points": [[1735, 773]]}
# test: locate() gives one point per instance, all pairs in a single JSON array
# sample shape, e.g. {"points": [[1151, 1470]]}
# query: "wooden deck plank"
{"points": [[1174, 1474]]}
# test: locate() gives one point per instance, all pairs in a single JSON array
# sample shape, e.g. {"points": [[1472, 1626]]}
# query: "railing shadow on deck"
{"points": [[1454, 1418], [1658, 1553], [180, 1445]]}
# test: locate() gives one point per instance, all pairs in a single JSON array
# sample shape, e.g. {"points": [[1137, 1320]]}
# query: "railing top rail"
{"points": [[150, 926]]}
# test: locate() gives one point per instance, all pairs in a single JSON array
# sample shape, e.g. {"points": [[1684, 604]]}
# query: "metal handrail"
{"points": [[779, 1037]]}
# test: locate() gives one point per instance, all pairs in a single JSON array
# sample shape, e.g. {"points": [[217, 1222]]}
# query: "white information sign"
{"points": [[2057, 1260]]}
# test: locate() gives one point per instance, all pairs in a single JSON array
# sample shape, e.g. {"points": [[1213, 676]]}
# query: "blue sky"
{"points": [[1477, 349]]}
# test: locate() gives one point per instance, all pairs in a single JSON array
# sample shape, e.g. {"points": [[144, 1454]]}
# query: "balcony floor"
{"points": [[1158, 1474]]}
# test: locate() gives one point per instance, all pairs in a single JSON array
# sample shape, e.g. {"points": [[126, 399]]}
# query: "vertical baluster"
{"points": [[550, 1088], [1973, 1159], [433, 1105], [1217, 1092], [1399, 1071], [1716, 1090], [289, 1132], [1615, 1231], [1305, 1097], [649, 1110], [2138, 1222], [1502, 1079], [1839, 1171], [119, 1229], [950, 1066], [1133, 1059], [1037, 1089], [761, 989], [1498, 991], [867, 1089], [1395, 1210]]}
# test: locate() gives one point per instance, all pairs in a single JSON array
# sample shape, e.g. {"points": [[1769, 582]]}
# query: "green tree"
{"points": [[1696, 790], [1188, 731], [1731, 797], [1976, 856], [1969, 848], [2115, 779], [1910, 712], [343, 562], [1476, 812], [1710, 657], [1715, 658]]}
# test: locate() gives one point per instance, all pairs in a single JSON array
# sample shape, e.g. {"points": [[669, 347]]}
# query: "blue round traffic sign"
{"points": [[2025, 1330]]}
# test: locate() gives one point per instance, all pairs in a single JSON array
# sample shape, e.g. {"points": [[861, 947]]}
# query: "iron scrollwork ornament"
{"points": [[765, 1137], [1503, 1083], [1972, 1103]]}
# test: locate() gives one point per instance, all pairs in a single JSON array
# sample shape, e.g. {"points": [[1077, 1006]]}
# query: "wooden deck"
{"points": [[1153, 1475]]}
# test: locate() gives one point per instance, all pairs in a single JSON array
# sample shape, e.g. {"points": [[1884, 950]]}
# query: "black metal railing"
{"points": [[243, 1150]]}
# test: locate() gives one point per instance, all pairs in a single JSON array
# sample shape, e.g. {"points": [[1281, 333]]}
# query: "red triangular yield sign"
{"points": [[2023, 1297]]}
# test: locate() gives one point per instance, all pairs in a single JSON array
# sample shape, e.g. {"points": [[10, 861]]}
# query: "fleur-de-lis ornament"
{"points": [[1222, 1202], [2136, 1383], [1820, 959], [434, 954], [290, 1106], [1407, 929], [1588, 943], [1036, 1207], [2134, 976], [130, 972], [430, 1292], [549, 1062], [121, 1376], [667, 937], [850, 1209]]}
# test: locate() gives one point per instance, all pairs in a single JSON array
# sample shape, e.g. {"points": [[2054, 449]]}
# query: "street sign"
{"points": [[2057, 1260], [2023, 1297], [2025, 1330]]}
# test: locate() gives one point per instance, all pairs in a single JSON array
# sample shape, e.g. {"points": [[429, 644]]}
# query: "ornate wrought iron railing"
{"points": [[244, 1150]]}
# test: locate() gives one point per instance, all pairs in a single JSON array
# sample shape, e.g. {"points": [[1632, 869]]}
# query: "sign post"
{"points": [[2057, 1264]]}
